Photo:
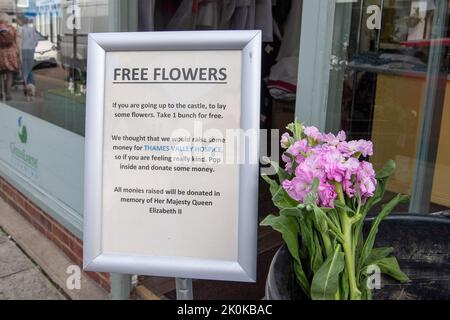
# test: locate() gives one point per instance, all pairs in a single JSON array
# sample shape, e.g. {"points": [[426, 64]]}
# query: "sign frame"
{"points": [[94, 259]]}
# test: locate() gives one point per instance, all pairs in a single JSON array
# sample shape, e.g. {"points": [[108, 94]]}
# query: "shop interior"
{"points": [[385, 86], [280, 23]]}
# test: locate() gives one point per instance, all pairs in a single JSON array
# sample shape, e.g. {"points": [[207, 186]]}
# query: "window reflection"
{"points": [[385, 85], [49, 80]]}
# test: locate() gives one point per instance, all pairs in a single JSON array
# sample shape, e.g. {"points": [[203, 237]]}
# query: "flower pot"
{"points": [[421, 244]]}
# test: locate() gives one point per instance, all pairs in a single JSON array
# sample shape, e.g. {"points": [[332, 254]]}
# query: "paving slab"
{"points": [[30, 284], [45, 254], [12, 259], [3, 236]]}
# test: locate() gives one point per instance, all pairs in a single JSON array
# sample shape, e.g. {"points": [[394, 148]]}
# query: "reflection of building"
{"points": [[48, 18], [46, 14], [8, 6]]}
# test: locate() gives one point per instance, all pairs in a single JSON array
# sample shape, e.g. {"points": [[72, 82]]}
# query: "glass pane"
{"points": [[46, 72], [43, 46], [393, 89]]}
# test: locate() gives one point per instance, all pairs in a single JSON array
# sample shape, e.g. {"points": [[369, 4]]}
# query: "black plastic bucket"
{"points": [[421, 244]]}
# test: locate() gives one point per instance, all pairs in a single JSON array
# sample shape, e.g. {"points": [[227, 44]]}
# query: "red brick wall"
{"points": [[52, 229]]}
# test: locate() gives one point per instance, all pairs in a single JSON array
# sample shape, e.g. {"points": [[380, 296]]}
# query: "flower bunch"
{"points": [[324, 193], [333, 161]]}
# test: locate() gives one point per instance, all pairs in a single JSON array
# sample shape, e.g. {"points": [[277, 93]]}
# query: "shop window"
{"points": [[392, 89], [43, 56], [42, 107], [49, 79]]}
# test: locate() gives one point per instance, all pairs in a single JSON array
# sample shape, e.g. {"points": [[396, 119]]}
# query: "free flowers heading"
{"points": [[323, 195]]}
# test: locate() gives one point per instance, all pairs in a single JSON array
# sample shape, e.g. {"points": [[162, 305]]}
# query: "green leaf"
{"points": [[320, 219], [333, 215], [390, 266], [345, 287], [368, 245], [382, 177], [282, 174], [304, 250], [307, 237], [289, 229], [378, 254], [301, 278], [317, 258], [297, 129], [366, 292], [324, 223], [387, 170], [292, 212], [311, 198], [282, 200], [274, 186], [325, 282], [339, 205]]}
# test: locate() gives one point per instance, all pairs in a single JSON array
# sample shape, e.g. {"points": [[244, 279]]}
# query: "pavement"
{"points": [[20, 277], [33, 267]]}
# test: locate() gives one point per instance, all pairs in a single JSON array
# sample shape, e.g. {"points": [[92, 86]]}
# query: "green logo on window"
{"points": [[23, 134]]}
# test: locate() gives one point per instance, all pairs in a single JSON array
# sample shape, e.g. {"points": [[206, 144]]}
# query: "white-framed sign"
{"points": [[171, 154]]}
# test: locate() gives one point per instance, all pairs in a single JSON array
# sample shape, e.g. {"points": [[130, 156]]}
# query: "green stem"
{"points": [[358, 216], [327, 243], [333, 227], [355, 294], [346, 224]]}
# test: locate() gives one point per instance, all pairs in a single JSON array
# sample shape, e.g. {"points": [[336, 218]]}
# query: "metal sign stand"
{"points": [[184, 289]]}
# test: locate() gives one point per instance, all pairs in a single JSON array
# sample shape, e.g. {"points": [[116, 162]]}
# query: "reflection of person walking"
{"points": [[29, 44], [9, 55]]}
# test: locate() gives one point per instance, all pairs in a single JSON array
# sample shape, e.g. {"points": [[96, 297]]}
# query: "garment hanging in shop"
{"points": [[282, 82], [224, 15], [146, 15]]}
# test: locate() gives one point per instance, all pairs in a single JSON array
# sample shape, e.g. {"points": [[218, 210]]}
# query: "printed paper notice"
{"points": [[167, 187]]}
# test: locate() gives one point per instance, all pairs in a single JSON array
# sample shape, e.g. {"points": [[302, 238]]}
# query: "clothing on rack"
{"points": [[224, 15], [146, 15], [291, 31], [282, 82]]}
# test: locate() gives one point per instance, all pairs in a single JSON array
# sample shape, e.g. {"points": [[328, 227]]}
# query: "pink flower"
{"points": [[366, 181], [285, 140], [332, 163], [288, 163], [350, 148], [312, 132], [299, 150], [352, 166], [331, 160], [298, 147], [311, 166], [299, 186], [332, 139], [327, 194]]}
